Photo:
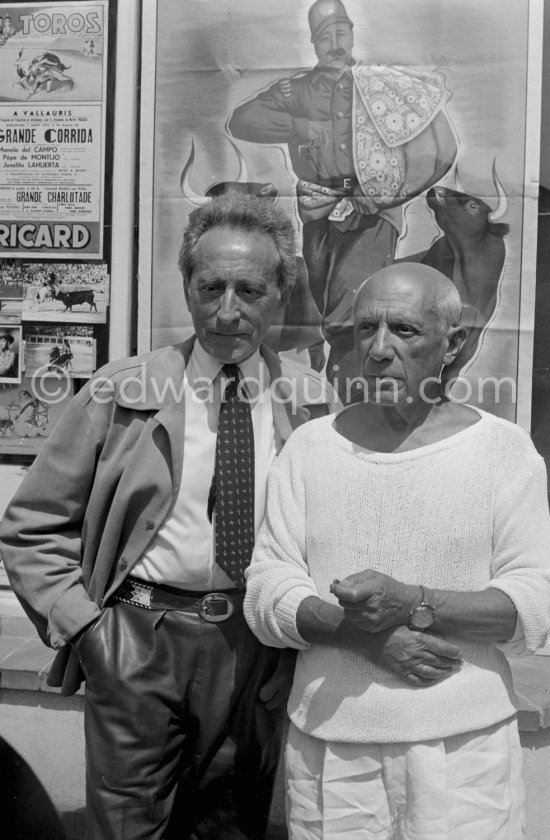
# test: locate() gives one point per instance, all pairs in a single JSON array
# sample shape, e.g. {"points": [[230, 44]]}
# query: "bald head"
{"points": [[435, 293], [406, 329]]}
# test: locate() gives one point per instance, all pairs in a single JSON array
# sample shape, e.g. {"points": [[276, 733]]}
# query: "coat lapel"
{"points": [[159, 389]]}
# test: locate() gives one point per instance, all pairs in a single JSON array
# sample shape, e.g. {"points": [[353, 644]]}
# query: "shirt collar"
{"points": [[204, 367]]}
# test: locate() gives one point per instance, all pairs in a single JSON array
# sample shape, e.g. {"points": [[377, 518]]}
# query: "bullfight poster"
{"points": [[387, 131], [53, 74]]}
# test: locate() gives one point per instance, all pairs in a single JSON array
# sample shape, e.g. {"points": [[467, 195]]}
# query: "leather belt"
{"points": [[213, 607], [346, 185]]}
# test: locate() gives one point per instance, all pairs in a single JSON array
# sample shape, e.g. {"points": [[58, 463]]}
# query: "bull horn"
{"points": [[459, 187], [502, 206], [185, 185], [243, 171]]}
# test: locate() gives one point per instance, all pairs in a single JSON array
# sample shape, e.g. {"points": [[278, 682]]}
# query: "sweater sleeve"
{"points": [[277, 578], [521, 549]]}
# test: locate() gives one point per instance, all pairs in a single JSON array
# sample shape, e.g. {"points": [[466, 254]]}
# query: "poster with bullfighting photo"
{"points": [[29, 411], [412, 135], [72, 292], [11, 353], [53, 76], [59, 351]]}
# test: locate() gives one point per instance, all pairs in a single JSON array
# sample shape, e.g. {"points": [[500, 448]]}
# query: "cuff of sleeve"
{"points": [[72, 611], [285, 612], [516, 645], [531, 631]]}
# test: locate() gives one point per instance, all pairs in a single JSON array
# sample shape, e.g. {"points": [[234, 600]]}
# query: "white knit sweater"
{"points": [[462, 514]]}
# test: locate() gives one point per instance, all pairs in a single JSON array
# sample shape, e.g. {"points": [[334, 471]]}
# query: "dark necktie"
{"points": [[233, 484]]}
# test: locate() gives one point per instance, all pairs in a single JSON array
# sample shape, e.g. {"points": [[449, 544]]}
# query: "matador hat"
{"points": [[325, 12]]}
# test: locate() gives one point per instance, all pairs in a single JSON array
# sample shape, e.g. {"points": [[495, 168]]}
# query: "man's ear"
{"points": [[186, 292], [456, 337], [283, 302]]}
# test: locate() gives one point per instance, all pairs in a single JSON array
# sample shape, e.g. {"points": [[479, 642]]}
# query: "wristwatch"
{"points": [[422, 617]]}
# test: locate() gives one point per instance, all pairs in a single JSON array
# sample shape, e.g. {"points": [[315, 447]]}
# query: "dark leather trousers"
{"points": [[177, 741]]}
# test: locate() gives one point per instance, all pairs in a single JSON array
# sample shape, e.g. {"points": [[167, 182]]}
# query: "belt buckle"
{"points": [[216, 607], [140, 594]]}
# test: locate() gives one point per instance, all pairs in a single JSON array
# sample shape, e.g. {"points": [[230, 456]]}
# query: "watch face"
{"points": [[422, 617]]}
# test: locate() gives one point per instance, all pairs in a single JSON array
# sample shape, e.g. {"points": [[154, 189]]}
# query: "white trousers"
{"points": [[467, 787]]}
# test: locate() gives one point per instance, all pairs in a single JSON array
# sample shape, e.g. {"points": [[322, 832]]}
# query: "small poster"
{"points": [[11, 302], [59, 350], [28, 412], [72, 292], [53, 62], [10, 353]]}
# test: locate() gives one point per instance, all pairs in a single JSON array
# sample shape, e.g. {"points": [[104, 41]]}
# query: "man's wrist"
{"points": [[422, 613], [367, 645], [320, 622]]}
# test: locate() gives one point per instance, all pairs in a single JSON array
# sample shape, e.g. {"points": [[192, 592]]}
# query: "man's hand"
{"points": [[274, 693], [420, 659], [82, 634], [374, 601]]}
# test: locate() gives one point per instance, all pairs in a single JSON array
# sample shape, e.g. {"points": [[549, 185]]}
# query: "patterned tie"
{"points": [[233, 484]]}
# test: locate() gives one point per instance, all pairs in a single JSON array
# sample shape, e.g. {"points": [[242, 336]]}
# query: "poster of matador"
{"points": [[388, 131]]}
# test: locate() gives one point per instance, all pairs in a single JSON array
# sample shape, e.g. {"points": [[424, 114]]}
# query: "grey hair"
{"points": [[244, 213], [446, 306]]}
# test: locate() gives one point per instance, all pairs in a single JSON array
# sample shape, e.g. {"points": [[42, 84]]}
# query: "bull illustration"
{"points": [[70, 299], [471, 253], [300, 328], [45, 72], [242, 185], [7, 425]]}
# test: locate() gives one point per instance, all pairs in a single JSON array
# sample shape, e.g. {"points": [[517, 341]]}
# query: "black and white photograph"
{"points": [[67, 348], [275, 419], [28, 412], [11, 352], [71, 292], [11, 301]]}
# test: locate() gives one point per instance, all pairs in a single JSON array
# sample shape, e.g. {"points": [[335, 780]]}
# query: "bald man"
{"points": [[435, 517]]}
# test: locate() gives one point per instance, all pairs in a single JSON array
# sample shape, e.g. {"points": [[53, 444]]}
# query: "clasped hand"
{"points": [[374, 601]]}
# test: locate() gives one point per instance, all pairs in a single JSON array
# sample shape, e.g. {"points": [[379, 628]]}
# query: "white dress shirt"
{"points": [[182, 553]]}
